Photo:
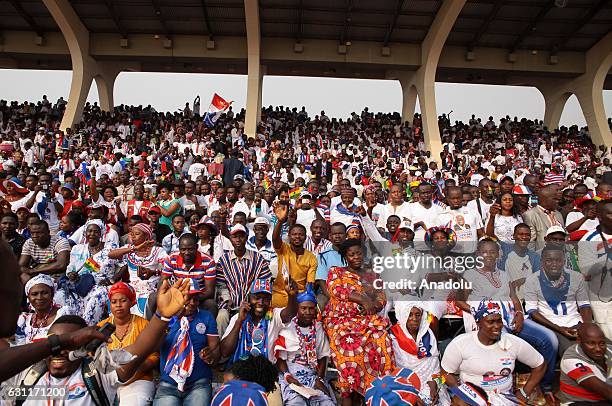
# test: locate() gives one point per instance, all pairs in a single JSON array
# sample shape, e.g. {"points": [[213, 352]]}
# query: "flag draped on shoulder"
{"points": [[218, 106]]}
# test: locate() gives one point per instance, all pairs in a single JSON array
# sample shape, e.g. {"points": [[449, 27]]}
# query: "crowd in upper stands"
{"points": [[323, 261]]}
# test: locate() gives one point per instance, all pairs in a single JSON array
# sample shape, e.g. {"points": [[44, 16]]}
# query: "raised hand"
{"points": [[171, 299], [281, 211]]}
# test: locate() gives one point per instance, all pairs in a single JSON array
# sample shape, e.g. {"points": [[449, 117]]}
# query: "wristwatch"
{"points": [[54, 343]]}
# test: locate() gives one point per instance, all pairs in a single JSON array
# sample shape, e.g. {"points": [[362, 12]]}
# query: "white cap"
{"points": [[262, 220], [555, 229], [406, 224], [237, 228]]}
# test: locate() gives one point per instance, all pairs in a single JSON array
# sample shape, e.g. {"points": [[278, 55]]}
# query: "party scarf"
{"points": [[245, 341], [407, 343], [179, 364], [343, 210], [554, 295]]}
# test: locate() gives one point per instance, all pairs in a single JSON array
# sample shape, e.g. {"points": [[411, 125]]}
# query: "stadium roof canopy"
{"points": [[543, 43]]}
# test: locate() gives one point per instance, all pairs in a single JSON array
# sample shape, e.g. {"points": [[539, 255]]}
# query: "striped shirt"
{"points": [[202, 270], [39, 255], [238, 274], [315, 248], [267, 250], [553, 178]]}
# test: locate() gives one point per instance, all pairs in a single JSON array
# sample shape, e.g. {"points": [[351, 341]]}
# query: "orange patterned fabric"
{"points": [[360, 345]]}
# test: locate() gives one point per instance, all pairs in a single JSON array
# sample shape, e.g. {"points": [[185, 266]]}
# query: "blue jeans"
{"points": [[199, 393], [545, 342]]}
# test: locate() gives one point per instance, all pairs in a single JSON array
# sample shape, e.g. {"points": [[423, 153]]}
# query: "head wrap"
{"points": [[452, 236], [425, 345], [468, 394], [239, 393], [124, 289], [308, 295], [400, 388], [39, 279], [486, 307], [145, 229], [95, 222]]}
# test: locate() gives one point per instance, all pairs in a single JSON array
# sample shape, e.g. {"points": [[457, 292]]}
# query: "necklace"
{"points": [[308, 342], [127, 330], [36, 324]]}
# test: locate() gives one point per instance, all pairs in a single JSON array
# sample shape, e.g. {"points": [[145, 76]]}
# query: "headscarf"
{"points": [[95, 222], [486, 307], [308, 295], [425, 344], [39, 279], [124, 289], [452, 237], [148, 232]]}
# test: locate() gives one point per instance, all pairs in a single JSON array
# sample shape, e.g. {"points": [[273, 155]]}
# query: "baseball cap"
{"points": [[262, 220], [207, 221], [194, 287], [155, 209], [239, 393], [238, 176], [520, 190], [238, 228], [400, 388], [406, 224], [555, 229], [262, 285], [305, 193]]}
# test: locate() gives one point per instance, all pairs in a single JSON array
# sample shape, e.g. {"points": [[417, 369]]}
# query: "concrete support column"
{"points": [[555, 94], [589, 90], [592, 104], [426, 88], [422, 82], [255, 69], [105, 81], [80, 84], [84, 68], [409, 95]]}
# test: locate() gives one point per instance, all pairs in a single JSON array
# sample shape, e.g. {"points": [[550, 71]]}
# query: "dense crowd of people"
{"points": [[320, 262]]}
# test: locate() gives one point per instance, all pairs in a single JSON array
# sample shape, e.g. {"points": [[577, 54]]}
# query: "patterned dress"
{"points": [[361, 348]]}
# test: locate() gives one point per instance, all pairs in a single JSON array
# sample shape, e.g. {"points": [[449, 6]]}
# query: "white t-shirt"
{"points": [[274, 327], [589, 225], [50, 214], [517, 268], [484, 207], [566, 313], [305, 218], [75, 390], [402, 211], [465, 225], [428, 216], [488, 366], [195, 170]]}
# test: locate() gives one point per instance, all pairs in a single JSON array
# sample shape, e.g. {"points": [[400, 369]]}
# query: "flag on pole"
{"points": [[218, 106]]}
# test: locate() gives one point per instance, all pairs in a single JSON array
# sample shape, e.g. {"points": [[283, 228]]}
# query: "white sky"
{"points": [[338, 97]]}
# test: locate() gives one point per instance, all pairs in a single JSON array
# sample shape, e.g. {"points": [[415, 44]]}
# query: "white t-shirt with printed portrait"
{"points": [[488, 366]]}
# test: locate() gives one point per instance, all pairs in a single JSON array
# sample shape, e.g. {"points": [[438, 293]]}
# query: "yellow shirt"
{"points": [[138, 324], [302, 270]]}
